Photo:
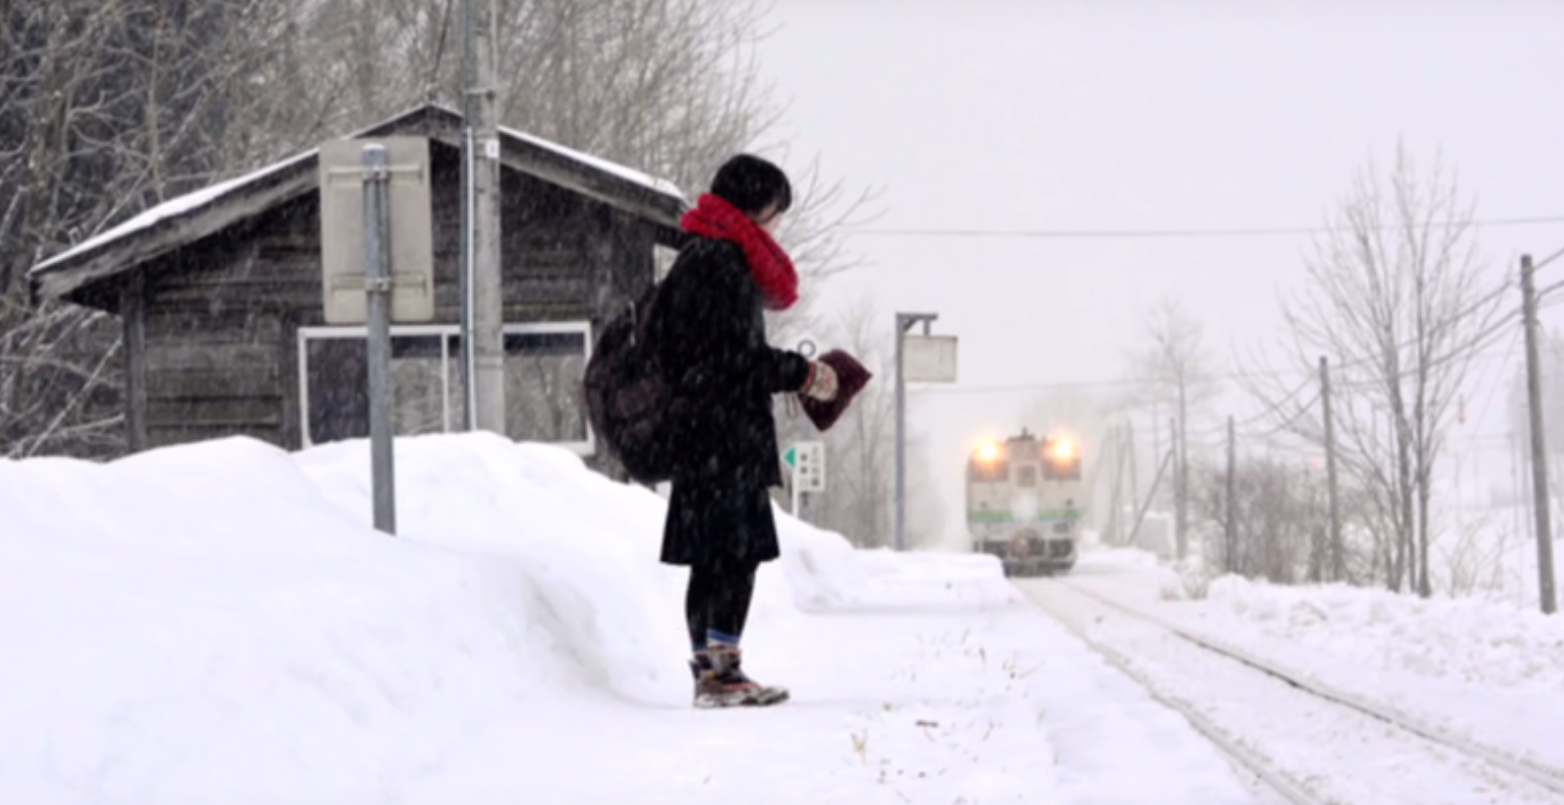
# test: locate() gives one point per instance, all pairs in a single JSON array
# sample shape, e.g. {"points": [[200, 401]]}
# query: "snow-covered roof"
{"points": [[628, 174], [173, 208], [669, 199]]}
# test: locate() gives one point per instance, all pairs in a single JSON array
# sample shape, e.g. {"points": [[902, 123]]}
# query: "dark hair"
{"points": [[750, 183]]}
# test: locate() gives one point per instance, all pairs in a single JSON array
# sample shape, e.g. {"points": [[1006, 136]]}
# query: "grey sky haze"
{"points": [[1136, 116]]}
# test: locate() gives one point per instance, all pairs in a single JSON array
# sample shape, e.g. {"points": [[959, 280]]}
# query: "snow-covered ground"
{"points": [[1487, 671], [1327, 752], [217, 622]]}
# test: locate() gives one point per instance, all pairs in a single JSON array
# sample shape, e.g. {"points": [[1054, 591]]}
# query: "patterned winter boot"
{"points": [[720, 681]]}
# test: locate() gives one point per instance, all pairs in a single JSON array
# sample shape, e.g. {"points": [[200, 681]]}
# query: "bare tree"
{"points": [[1277, 507], [673, 87], [1280, 521], [109, 107], [1395, 297], [1175, 374], [861, 446], [114, 105]]}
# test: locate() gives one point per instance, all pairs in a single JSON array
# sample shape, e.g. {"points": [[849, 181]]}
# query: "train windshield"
{"points": [[1063, 468], [997, 471]]}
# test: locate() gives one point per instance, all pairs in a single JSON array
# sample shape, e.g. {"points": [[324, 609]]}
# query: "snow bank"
{"points": [[213, 618], [1488, 671], [1469, 639]]}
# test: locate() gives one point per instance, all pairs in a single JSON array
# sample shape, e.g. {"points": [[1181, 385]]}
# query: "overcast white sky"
{"points": [[1169, 115]]}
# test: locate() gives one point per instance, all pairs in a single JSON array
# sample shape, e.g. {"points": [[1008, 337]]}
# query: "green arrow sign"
{"points": [[791, 457]]}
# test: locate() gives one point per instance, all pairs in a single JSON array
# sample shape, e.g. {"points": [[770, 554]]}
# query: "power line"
{"points": [[1550, 258], [1279, 404], [1290, 421], [1148, 234], [1543, 294], [1494, 388], [1474, 351], [937, 391], [1470, 309], [439, 54], [1077, 384]]}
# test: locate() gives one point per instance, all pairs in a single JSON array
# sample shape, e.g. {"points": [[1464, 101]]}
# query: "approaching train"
{"points": [[1025, 501]]}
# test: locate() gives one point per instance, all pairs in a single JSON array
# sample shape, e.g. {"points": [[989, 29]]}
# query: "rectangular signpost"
{"points": [[929, 358], [377, 264]]}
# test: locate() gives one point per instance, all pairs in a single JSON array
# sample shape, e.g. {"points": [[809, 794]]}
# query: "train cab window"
{"points": [[1067, 469], [1026, 476], [991, 471]]}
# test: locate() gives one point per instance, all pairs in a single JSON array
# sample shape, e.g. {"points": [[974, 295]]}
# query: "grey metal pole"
{"points": [[1539, 455], [469, 386], [901, 437], [377, 288], [904, 321], [1338, 553]]}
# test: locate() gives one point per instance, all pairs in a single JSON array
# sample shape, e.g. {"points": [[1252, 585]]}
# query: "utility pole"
{"points": [[1232, 496], [1180, 479], [1338, 559], [1112, 448], [1106, 525], [1156, 483], [1539, 455], [483, 345], [1156, 429], [1129, 435], [1122, 461]]}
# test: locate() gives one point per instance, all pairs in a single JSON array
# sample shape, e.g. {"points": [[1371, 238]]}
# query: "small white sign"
{"points": [[929, 358], [491, 148], [807, 460]]}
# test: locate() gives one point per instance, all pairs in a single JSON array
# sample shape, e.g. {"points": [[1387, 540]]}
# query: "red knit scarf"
{"points": [[713, 217]]}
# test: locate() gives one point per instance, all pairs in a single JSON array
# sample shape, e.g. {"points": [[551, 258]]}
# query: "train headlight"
{"points": [[988, 451], [1062, 451]]}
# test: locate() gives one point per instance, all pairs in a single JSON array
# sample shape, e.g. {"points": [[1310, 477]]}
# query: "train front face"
{"points": [[1025, 503]]}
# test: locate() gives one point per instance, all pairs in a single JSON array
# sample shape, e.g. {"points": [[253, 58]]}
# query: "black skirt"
{"points": [[720, 521]]}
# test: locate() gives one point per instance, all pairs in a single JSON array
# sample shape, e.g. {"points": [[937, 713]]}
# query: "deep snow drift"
{"points": [[216, 622], [190, 604]]}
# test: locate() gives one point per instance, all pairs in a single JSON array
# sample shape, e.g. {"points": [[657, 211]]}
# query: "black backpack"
{"points": [[628, 398]]}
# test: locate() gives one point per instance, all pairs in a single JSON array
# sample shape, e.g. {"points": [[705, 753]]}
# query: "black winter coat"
{"points": [[709, 330]]}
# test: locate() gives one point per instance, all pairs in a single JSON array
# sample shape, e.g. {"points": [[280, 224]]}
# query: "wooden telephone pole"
{"points": [[483, 344], [1539, 453]]}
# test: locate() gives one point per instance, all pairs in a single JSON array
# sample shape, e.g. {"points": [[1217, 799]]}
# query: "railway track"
{"points": [[1393, 741]]}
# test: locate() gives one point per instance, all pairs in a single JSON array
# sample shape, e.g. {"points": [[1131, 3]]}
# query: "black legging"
{"points": [[718, 601]]}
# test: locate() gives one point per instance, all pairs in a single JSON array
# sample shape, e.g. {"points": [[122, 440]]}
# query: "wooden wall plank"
{"points": [[133, 315]]}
